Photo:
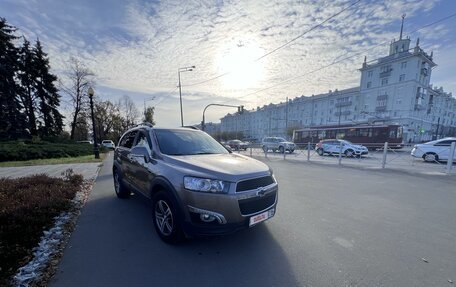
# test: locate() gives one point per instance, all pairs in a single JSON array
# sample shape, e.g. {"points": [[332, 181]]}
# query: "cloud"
{"points": [[136, 47]]}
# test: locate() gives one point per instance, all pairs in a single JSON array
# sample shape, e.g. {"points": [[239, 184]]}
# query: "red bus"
{"points": [[371, 136]]}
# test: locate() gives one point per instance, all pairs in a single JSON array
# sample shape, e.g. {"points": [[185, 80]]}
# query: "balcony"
{"points": [[385, 74], [342, 113], [382, 97], [419, 107], [380, 108], [343, 104]]}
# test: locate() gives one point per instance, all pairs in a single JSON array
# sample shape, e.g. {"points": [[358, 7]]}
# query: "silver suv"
{"points": [[276, 143], [195, 185]]}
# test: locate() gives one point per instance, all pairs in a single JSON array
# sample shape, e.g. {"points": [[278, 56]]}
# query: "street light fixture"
{"points": [[203, 123], [90, 92], [184, 69]]}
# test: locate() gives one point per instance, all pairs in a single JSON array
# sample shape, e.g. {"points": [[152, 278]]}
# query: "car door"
{"points": [[123, 158], [332, 147], [442, 149], [141, 171]]}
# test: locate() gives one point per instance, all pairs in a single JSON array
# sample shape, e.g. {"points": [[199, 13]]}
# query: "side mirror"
{"points": [[142, 152]]}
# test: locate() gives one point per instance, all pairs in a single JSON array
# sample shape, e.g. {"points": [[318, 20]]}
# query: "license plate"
{"points": [[261, 217]]}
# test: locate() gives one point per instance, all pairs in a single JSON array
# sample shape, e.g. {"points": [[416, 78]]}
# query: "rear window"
{"points": [[183, 142]]}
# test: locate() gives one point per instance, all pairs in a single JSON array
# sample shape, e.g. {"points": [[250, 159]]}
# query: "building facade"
{"points": [[394, 89]]}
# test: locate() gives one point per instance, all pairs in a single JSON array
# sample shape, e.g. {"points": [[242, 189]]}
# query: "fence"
{"points": [[425, 159]]}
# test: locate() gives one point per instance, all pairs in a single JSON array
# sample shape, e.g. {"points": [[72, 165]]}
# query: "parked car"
{"points": [[333, 146], [85, 142], [195, 185], [108, 144], [434, 151], [277, 143], [237, 145]]}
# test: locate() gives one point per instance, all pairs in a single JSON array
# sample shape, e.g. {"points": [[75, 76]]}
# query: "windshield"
{"points": [[281, 139], [183, 142], [346, 142]]}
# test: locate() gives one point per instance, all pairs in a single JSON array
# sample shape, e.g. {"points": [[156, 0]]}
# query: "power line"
{"points": [[346, 58], [283, 45]]}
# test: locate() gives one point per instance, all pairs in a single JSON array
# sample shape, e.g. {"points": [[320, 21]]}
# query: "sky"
{"points": [[249, 53]]}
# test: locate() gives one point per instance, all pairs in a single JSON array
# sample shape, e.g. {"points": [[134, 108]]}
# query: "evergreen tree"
{"points": [[12, 122], [27, 76], [51, 121]]}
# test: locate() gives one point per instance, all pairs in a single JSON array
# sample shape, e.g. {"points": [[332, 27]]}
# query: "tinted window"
{"points": [[183, 142], [444, 143], [142, 140], [127, 140]]}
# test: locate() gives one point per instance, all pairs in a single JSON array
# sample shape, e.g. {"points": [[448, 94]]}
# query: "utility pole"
{"points": [[437, 130], [340, 113], [286, 118]]}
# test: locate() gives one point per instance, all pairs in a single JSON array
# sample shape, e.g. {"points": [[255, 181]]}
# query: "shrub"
{"points": [[28, 206], [27, 150]]}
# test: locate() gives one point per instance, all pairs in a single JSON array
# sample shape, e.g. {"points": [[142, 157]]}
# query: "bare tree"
{"points": [[80, 78], [129, 111]]}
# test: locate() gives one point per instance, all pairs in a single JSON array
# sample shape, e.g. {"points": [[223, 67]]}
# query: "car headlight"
{"points": [[206, 185]]}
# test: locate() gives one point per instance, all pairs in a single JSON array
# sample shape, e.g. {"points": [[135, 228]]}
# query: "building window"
{"points": [[398, 101], [369, 74], [331, 102], [403, 65], [384, 81], [369, 84], [401, 77], [385, 69]]}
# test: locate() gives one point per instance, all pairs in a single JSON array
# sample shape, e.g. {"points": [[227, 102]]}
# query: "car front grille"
{"points": [[257, 204], [254, 183]]}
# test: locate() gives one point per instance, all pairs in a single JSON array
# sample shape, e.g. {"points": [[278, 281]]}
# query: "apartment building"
{"points": [[394, 89]]}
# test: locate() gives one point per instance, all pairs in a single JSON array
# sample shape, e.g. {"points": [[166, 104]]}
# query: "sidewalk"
{"points": [[88, 170]]}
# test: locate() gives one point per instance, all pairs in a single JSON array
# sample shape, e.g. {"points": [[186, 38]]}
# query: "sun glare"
{"points": [[238, 59]]}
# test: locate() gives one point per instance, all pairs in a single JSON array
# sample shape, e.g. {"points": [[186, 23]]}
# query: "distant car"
{"points": [[237, 145], [434, 151], [277, 143], [85, 142], [333, 146], [108, 144]]}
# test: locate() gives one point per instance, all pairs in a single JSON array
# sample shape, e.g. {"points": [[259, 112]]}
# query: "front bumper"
{"points": [[229, 212]]}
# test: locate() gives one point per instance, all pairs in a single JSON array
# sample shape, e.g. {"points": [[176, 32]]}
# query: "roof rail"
{"points": [[145, 124], [191, 127]]}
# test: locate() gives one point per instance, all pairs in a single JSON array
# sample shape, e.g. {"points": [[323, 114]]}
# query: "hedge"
{"points": [[21, 150]]}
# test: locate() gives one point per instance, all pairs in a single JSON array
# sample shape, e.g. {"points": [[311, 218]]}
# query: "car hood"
{"points": [[230, 166]]}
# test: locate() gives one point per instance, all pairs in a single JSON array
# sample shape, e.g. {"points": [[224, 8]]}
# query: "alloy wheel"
{"points": [[164, 217]]}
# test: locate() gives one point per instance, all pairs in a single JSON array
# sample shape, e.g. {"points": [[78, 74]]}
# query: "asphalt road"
{"points": [[334, 227]]}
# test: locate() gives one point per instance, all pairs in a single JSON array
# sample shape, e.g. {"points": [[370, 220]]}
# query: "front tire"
{"points": [[349, 153], [121, 191], [320, 152], [281, 149], [431, 157], [265, 149], [166, 219]]}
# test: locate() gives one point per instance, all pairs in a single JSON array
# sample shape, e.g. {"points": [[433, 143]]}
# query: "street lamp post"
{"points": [[184, 69], [95, 144]]}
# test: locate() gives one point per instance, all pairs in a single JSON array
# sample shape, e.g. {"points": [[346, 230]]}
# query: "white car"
{"points": [[333, 146], [276, 143], [108, 144], [434, 150]]}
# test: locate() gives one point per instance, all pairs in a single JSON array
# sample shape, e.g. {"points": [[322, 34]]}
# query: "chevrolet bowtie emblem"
{"points": [[261, 191]]}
